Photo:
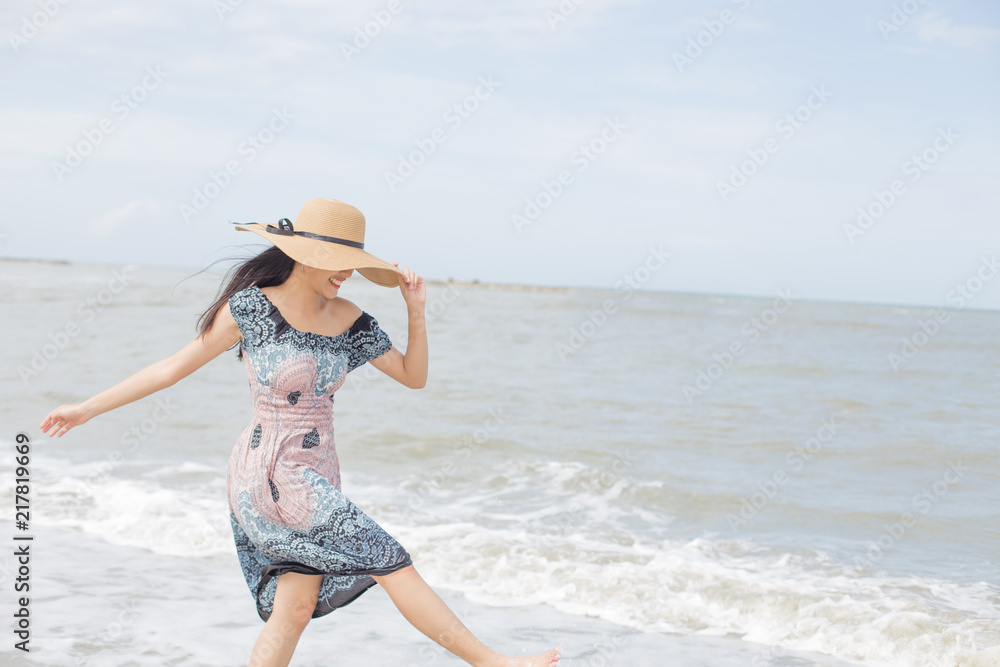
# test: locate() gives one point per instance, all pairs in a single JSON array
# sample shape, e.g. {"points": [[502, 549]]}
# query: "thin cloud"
{"points": [[937, 28], [107, 223]]}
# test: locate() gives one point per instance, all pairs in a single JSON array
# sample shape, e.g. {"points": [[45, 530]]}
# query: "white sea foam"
{"points": [[782, 599], [800, 600], [187, 523]]}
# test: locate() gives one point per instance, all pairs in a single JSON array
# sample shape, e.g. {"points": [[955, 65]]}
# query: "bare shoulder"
{"points": [[225, 314], [350, 311], [346, 306], [224, 325]]}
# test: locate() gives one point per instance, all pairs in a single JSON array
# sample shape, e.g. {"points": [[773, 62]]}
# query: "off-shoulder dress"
{"points": [[283, 478]]}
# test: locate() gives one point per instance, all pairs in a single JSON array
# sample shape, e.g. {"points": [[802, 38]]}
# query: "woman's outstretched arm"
{"points": [[164, 373]]}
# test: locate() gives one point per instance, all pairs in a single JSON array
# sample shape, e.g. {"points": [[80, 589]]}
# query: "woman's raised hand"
{"points": [[63, 419], [412, 287]]}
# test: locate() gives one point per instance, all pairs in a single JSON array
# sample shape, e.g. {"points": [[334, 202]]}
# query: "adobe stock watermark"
{"points": [[796, 460], [698, 43], [130, 440], [224, 8], [623, 459], [752, 330], [110, 634], [462, 452], [922, 503], [595, 319], [562, 12], [786, 127], [900, 16], [433, 309], [768, 655], [441, 302], [645, 607], [247, 152], [585, 155], [217, 526], [570, 520], [424, 654], [928, 328], [33, 24], [454, 117], [86, 312], [121, 108], [915, 167], [366, 34]]}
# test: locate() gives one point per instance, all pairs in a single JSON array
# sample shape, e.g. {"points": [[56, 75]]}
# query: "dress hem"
{"points": [[322, 606]]}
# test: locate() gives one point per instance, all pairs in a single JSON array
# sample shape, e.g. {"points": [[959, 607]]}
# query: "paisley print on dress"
{"points": [[311, 439], [317, 530]]}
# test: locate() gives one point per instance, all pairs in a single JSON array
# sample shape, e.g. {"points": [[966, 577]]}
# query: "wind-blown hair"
{"points": [[267, 268]]}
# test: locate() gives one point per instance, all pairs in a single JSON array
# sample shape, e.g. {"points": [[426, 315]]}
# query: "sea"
{"points": [[642, 477]]}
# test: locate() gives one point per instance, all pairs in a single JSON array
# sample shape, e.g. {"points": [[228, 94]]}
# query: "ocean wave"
{"points": [[792, 600], [584, 548], [186, 522], [582, 552]]}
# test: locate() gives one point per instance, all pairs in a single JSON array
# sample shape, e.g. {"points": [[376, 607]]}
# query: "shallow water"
{"points": [[697, 476]]}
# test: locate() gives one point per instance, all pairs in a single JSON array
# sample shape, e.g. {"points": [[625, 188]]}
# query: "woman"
{"points": [[304, 548]]}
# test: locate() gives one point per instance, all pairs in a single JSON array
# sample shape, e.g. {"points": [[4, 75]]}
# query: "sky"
{"points": [[841, 151]]}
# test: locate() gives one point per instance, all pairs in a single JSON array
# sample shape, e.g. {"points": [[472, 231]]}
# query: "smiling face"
{"points": [[326, 283]]}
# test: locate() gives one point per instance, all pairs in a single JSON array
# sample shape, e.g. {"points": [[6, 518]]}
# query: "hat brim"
{"points": [[329, 256]]}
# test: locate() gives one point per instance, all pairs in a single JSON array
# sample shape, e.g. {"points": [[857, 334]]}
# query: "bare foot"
{"points": [[547, 659]]}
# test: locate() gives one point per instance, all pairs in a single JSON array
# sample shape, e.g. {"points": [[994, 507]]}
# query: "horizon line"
{"points": [[475, 282]]}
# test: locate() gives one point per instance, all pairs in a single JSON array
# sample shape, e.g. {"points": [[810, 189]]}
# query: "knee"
{"points": [[295, 617]]}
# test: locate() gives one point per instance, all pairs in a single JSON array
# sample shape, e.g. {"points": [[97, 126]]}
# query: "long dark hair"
{"points": [[270, 267]]}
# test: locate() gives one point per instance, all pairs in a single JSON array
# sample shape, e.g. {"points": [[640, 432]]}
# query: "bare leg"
{"points": [[294, 602], [427, 612]]}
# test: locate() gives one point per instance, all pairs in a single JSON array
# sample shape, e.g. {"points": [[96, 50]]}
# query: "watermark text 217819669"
{"points": [[22, 544]]}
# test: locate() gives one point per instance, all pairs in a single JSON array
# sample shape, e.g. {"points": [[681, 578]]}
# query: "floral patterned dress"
{"points": [[283, 479]]}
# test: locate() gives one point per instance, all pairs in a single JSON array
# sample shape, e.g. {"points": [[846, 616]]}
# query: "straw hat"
{"points": [[327, 234]]}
